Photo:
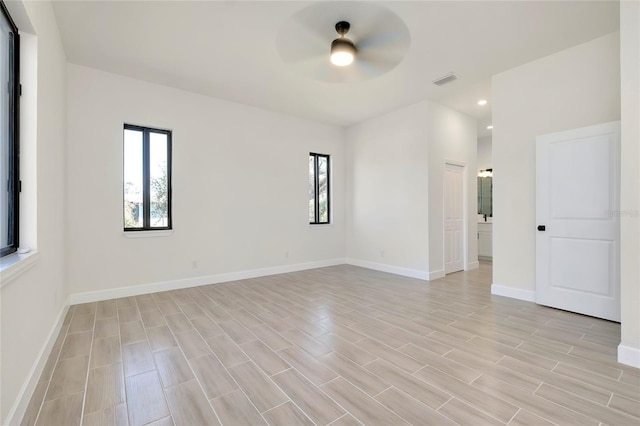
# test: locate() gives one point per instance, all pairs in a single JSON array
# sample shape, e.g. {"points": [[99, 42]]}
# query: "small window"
{"points": [[319, 194], [147, 179], [9, 125]]}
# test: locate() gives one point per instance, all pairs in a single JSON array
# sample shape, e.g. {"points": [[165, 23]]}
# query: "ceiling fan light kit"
{"points": [[343, 51]]}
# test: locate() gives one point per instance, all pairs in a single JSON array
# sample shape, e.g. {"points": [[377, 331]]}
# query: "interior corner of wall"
{"points": [[19, 14]]}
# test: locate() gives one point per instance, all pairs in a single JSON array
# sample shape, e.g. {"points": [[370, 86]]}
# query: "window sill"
{"points": [[14, 265], [321, 226], [147, 234]]}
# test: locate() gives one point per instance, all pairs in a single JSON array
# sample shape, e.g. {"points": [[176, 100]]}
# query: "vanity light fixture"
{"points": [[490, 126], [482, 102], [485, 173]]}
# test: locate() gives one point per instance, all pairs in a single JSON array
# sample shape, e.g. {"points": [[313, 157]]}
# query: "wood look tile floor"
{"points": [[340, 345]]}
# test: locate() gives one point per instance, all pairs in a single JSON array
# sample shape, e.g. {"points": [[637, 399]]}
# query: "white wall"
{"points": [[33, 302], [240, 179], [395, 166], [629, 351], [387, 178], [485, 160], [573, 88]]}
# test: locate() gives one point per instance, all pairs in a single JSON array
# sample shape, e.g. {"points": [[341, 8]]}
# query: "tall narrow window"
{"points": [[9, 125], [147, 178], [319, 194]]}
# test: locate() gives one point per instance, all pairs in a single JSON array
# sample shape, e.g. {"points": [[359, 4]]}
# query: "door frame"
{"points": [[613, 128], [465, 213]]}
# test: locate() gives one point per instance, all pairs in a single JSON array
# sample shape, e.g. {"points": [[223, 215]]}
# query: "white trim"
{"points": [[514, 293], [472, 265], [17, 411], [434, 275], [14, 265], [406, 272], [147, 234], [114, 293], [628, 355], [320, 226]]}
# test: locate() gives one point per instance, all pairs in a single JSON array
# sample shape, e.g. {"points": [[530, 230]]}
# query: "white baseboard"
{"points": [[16, 413], [406, 272], [434, 275], [472, 265], [514, 293], [114, 293], [629, 356]]}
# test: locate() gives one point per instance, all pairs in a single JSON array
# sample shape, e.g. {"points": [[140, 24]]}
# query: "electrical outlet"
{"points": [[194, 264], [286, 254], [381, 253]]}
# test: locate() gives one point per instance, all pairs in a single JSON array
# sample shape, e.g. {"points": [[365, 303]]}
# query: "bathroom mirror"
{"points": [[485, 196]]}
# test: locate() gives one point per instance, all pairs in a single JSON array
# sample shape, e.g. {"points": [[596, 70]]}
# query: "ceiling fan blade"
{"points": [[316, 29], [369, 23], [390, 40], [390, 54], [387, 45], [311, 66], [375, 66], [299, 41], [365, 70], [320, 68]]}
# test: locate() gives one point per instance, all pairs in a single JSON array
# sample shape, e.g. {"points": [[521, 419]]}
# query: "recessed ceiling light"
{"points": [[490, 126], [482, 102]]}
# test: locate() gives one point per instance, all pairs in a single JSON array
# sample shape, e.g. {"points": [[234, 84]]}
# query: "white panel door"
{"points": [[577, 236], [453, 225]]}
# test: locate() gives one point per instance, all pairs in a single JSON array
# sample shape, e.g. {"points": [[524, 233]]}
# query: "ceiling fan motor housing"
{"points": [[343, 45], [342, 27]]}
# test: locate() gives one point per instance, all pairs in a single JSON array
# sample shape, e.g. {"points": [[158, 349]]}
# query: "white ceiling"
{"points": [[227, 49]]}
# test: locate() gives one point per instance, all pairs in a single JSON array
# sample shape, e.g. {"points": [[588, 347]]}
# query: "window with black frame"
{"points": [[147, 179], [319, 189], [9, 127]]}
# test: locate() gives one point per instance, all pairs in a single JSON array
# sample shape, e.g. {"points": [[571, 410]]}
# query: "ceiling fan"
{"points": [[343, 50], [378, 41]]}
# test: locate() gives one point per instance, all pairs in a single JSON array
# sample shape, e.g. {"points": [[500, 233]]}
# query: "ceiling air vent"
{"points": [[447, 78]]}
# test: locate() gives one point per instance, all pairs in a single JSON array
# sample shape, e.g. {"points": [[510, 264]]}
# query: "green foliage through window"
{"points": [[319, 189], [147, 178]]}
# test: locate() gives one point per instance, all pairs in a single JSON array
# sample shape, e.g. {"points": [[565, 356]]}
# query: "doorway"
{"points": [[453, 218], [577, 237]]}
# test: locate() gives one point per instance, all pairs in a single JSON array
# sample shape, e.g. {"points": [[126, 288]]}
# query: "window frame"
{"points": [[13, 207], [316, 188], [146, 178]]}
